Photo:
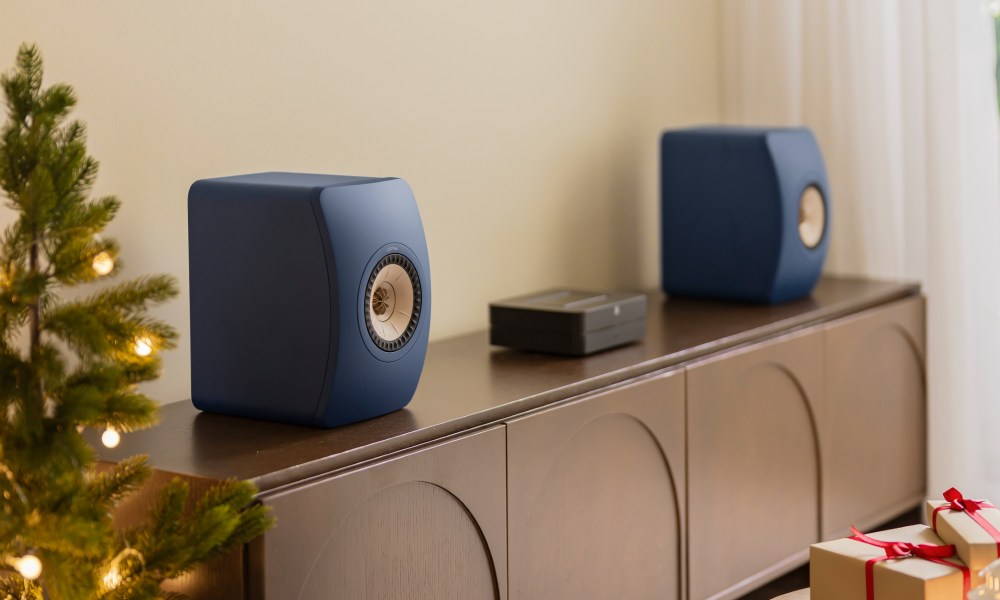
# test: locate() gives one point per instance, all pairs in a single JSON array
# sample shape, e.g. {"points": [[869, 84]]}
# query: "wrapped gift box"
{"points": [[972, 526], [838, 570]]}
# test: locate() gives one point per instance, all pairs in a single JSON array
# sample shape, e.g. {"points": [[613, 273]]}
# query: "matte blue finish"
{"points": [[279, 263], [366, 222], [730, 213]]}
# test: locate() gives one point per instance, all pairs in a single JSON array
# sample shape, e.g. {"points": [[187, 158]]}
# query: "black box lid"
{"points": [[569, 311]]}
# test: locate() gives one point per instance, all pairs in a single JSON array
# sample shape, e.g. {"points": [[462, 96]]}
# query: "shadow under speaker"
{"points": [[310, 296], [745, 213]]}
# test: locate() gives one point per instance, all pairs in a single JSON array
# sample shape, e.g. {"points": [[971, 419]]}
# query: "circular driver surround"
{"points": [[812, 217], [392, 302]]}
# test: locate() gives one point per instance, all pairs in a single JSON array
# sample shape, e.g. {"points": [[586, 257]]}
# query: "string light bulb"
{"points": [[28, 566], [143, 346], [111, 438], [990, 590], [103, 263], [112, 578]]}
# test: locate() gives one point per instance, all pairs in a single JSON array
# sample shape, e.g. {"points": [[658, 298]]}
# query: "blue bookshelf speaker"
{"points": [[745, 213], [310, 296]]}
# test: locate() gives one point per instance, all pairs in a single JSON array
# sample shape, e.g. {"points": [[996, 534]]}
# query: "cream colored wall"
{"points": [[528, 129]]}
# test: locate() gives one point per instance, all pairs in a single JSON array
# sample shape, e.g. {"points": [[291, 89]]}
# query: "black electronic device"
{"points": [[569, 322]]}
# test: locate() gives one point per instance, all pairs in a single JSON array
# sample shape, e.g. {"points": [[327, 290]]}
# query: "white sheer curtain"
{"points": [[902, 98]]}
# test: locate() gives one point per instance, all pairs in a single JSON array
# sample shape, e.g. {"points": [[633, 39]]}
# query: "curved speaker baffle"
{"points": [[812, 217], [392, 302]]}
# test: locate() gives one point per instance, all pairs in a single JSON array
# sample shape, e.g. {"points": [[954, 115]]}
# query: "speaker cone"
{"points": [[812, 217], [392, 307]]}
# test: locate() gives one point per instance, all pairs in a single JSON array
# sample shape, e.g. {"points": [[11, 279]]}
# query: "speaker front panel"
{"points": [[812, 217], [393, 299]]}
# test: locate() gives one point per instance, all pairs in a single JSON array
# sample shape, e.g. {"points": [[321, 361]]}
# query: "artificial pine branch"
{"points": [[17, 588], [71, 364], [113, 485]]}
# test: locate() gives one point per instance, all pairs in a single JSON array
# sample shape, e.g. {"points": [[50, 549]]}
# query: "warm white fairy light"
{"points": [[111, 437], [28, 566], [990, 590], [112, 578], [103, 263], [143, 346]]}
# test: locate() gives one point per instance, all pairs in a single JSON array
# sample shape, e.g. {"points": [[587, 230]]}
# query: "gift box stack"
{"points": [[941, 562]]}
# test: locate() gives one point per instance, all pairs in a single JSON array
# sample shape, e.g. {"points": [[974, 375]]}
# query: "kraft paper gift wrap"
{"points": [[974, 543], [837, 569]]}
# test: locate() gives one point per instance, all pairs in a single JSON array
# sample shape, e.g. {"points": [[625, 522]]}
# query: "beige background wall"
{"points": [[528, 129]]}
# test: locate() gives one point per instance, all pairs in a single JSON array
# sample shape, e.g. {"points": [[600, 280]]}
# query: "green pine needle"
{"points": [[116, 483], [71, 363]]}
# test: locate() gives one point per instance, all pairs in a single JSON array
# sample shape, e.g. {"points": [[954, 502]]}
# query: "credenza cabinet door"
{"points": [[596, 494], [874, 424], [753, 463], [427, 525]]}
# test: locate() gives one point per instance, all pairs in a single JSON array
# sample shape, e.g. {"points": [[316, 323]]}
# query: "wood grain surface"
{"points": [[428, 525], [874, 415], [468, 384], [753, 463], [595, 494]]}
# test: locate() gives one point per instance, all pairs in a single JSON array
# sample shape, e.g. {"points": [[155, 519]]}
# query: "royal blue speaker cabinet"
{"points": [[745, 213], [310, 296]]}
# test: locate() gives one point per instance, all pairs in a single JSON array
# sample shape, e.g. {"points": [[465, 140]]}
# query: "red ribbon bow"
{"points": [[957, 502], [901, 550]]}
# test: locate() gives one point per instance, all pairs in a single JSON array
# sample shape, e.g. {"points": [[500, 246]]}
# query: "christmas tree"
{"points": [[66, 365]]}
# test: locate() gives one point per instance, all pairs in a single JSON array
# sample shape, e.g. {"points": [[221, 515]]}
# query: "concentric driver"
{"points": [[392, 302], [812, 217]]}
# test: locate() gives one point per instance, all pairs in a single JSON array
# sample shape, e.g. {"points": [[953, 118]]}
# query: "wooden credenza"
{"points": [[699, 463]]}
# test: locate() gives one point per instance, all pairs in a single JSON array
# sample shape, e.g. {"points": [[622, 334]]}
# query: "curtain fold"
{"points": [[902, 97]]}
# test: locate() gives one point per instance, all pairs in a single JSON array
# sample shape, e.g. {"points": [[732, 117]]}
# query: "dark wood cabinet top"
{"points": [[466, 384]]}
